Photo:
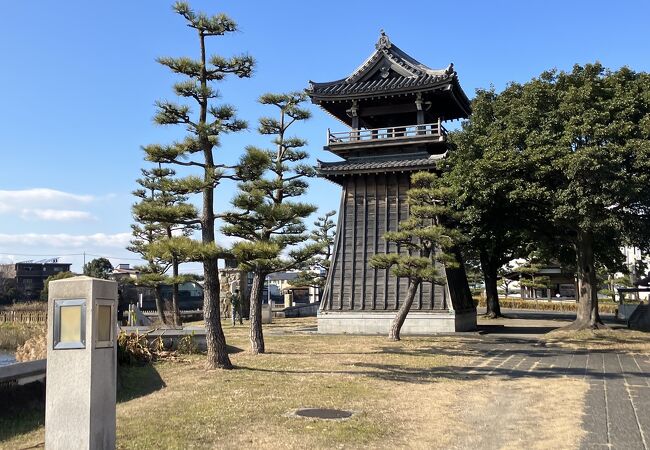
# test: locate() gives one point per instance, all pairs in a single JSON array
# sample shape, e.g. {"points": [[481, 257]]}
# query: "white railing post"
{"points": [[434, 129]]}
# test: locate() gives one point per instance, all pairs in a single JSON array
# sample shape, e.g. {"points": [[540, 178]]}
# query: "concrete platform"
{"points": [[378, 322], [24, 372]]}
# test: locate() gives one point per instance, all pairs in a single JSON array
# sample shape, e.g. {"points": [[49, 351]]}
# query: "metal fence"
{"points": [[23, 316]]}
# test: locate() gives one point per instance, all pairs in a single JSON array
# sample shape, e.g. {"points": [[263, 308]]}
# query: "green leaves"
{"points": [[587, 172], [253, 164], [203, 132], [289, 104], [191, 88], [240, 66], [422, 239], [552, 160], [216, 25], [182, 65], [261, 255], [180, 247], [415, 268], [265, 216], [98, 268], [165, 219]]}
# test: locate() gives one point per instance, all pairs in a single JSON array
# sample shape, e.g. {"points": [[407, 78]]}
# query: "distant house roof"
{"points": [[278, 276], [119, 270], [551, 269]]}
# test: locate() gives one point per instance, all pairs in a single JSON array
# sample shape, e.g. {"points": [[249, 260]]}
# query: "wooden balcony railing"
{"points": [[428, 131]]}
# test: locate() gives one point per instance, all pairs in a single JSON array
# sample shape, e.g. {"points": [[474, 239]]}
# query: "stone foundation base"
{"points": [[378, 322]]}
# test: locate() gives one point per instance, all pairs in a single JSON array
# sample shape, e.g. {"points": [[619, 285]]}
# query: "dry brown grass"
{"points": [[605, 339], [520, 413], [409, 394], [545, 305], [13, 335]]}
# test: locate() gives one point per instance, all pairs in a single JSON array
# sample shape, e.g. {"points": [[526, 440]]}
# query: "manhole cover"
{"points": [[323, 413]]}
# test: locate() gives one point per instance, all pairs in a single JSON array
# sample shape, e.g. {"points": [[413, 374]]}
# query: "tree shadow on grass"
{"points": [[137, 381], [497, 358], [22, 410], [405, 374], [507, 329]]}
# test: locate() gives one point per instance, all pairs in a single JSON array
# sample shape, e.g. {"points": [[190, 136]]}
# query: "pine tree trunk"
{"points": [[245, 301], [215, 339], [398, 321], [490, 270], [176, 310], [587, 316], [160, 307], [255, 316]]}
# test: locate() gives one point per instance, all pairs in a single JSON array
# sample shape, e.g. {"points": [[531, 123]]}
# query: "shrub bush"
{"points": [[135, 348], [35, 348]]}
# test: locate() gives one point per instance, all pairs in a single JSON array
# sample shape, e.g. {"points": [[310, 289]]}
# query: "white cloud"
{"points": [[226, 241], [44, 204], [60, 215], [41, 195], [63, 240]]}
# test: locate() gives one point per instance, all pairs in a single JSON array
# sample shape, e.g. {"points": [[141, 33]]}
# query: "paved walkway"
{"points": [[618, 399]]}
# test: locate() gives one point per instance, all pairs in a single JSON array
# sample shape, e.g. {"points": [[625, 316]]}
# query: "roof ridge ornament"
{"points": [[450, 69], [383, 42]]}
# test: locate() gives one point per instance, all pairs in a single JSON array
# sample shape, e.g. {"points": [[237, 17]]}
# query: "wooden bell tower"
{"points": [[395, 108]]}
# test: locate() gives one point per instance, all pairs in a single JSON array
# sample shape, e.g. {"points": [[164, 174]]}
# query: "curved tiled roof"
{"points": [[379, 165], [388, 84], [408, 73]]}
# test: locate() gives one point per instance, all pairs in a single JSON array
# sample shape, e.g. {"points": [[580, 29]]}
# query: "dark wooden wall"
{"points": [[370, 206]]}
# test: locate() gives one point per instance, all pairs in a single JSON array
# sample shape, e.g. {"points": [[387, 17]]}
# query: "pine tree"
{"points": [[505, 271], [151, 275], [529, 274], [197, 150], [316, 270], [163, 207], [267, 218], [145, 233], [422, 241]]}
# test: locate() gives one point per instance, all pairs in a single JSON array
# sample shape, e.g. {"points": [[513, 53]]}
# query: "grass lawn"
{"points": [[399, 400]]}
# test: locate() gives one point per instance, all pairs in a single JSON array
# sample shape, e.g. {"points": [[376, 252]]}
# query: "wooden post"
{"points": [[355, 128], [420, 114]]}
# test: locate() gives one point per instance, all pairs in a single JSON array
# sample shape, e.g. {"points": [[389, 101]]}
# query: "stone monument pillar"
{"points": [[231, 278], [81, 364]]}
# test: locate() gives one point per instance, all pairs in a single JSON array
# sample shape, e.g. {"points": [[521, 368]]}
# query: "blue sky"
{"points": [[79, 81]]}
